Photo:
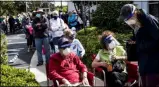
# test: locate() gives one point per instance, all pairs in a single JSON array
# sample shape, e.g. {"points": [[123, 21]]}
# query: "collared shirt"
{"points": [[68, 67]]}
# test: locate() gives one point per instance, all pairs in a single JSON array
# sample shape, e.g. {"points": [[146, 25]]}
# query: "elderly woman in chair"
{"points": [[111, 60], [65, 66]]}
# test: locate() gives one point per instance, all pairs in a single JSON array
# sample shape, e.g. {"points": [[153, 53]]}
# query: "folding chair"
{"points": [[99, 70], [133, 74]]}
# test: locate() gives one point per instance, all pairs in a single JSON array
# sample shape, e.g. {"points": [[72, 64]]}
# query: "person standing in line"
{"points": [[72, 20], [41, 37], [57, 27], [146, 29], [29, 30], [11, 24]]}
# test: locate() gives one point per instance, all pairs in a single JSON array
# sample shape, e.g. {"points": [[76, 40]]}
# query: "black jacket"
{"points": [[147, 42], [40, 31]]}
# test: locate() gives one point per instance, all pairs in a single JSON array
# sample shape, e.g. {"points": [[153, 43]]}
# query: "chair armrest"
{"points": [[103, 72], [98, 69], [130, 83]]}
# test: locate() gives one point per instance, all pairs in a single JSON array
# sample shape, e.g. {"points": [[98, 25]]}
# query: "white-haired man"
{"points": [[56, 26]]}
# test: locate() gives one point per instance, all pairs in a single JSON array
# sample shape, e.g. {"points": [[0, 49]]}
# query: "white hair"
{"points": [[55, 13]]}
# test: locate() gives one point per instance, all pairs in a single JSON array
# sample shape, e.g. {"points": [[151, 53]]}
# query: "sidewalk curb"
{"points": [[38, 71]]}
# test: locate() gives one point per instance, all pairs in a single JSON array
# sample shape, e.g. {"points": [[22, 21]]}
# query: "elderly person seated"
{"points": [[76, 45], [66, 67], [110, 58]]}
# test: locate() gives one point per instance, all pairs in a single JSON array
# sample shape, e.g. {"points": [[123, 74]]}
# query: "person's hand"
{"points": [[114, 57], [66, 82], [38, 24], [104, 64], [85, 82]]}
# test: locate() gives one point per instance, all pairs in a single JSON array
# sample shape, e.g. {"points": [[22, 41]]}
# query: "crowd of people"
{"points": [[63, 61]]}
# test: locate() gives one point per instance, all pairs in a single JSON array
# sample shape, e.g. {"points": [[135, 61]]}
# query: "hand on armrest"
{"points": [[85, 80], [96, 64], [66, 82]]}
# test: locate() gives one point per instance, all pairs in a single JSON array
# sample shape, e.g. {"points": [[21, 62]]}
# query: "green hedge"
{"points": [[11, 76], [91, 43], [3, 48], [107, 14]]}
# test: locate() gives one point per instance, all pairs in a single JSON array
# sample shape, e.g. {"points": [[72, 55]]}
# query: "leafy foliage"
{"points": [[89, 40], [6, 7], [4, 56], [11, 76], [106, 16], [64, 8]]}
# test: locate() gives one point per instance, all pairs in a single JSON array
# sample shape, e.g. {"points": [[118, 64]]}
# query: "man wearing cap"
{"points": [[41, 37], [146, 31], [65, 66], [56, 26]]}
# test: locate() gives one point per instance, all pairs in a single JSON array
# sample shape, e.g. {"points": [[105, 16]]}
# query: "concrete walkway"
{"points": [[40, 73]]}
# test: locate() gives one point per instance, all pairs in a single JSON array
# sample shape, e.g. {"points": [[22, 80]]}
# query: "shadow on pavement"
{"points": [[17, 46]]}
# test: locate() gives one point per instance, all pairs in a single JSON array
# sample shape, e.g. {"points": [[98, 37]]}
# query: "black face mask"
{"points": [[55, 17]]}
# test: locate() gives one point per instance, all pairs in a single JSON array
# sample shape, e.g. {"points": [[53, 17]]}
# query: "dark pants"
{"points": [[150, 80], [53, 43], [115, 79], [12, 30], [29, 40]]}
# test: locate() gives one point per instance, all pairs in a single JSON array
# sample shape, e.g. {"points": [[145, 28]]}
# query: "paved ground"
{"points": [[17, 51]]}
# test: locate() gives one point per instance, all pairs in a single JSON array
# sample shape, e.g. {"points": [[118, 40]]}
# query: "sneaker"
{"points": [[40, 63], [28, 50]]}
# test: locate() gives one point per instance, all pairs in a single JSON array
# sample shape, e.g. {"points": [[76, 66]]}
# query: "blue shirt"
{"points": [[72, 20], [77, 48]]}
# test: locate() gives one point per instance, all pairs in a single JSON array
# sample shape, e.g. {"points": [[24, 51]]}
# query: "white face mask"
{"points": [[66, 51], [112, 45]]}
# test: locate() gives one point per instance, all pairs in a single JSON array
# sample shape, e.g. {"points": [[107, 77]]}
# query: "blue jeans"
{"points": [[38, 43]]}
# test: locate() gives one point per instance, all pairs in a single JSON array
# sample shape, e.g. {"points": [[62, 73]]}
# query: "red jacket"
{"points": [[68, 67]]}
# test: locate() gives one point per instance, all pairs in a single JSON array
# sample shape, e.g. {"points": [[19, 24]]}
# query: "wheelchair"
{"points": [[132, 70]]}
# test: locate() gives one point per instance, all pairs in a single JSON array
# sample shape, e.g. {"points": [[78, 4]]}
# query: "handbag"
{"points": [[118, 65]]}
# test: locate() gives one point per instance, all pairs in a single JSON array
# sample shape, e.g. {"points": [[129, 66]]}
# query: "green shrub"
{"points": [[3, 48], [91, 43], [11, 76], [106, 16]]}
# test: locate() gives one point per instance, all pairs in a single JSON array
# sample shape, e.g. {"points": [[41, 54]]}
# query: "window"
{"points": [[154, 8]]}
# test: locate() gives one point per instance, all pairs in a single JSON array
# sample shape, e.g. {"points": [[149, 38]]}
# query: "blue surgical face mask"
{"points": [[38, 15]]}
